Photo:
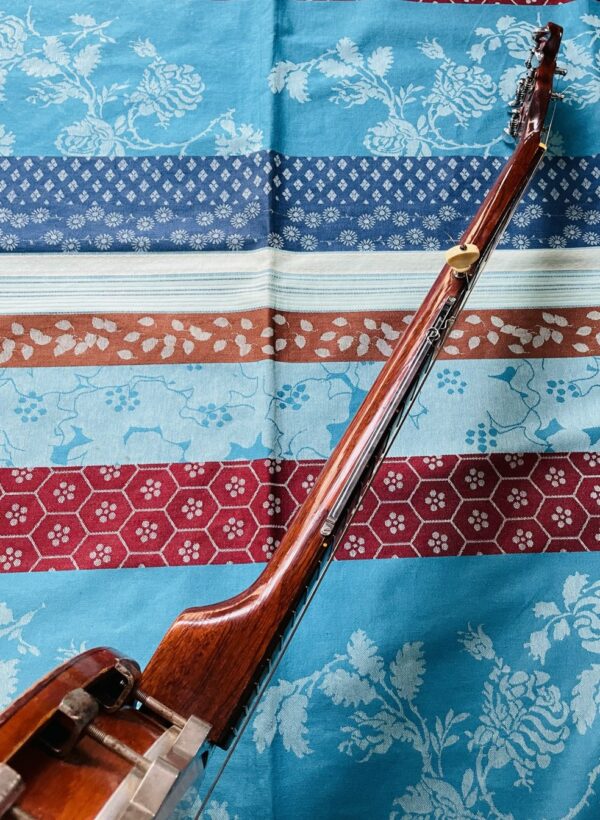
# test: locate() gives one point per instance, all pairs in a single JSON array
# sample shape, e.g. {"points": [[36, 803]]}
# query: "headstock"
{"points": [[534, 89]]}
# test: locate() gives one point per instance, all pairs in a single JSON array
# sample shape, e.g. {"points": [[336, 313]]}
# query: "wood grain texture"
{"points": [[211, 657]]}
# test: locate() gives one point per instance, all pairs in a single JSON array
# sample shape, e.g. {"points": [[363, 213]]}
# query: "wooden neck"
{"points": [[211, 658]]}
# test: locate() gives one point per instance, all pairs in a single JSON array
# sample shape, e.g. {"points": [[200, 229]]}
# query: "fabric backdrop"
{"points": [[217, 218]]}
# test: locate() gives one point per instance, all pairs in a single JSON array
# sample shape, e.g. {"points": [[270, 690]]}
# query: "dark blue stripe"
{"points": [[297, 203]]}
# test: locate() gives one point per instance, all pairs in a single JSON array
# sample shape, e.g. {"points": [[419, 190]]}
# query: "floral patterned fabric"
{"points": [[213, 232]]}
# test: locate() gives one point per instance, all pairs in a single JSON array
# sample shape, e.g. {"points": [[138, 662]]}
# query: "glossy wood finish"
{"points": [[211, 657], [77, 788]]}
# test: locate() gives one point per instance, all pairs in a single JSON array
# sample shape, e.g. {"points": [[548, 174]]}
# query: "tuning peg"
{"points": [[560, 71], [538, 33], [556, 95]]}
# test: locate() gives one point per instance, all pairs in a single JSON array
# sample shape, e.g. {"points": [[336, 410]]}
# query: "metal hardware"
{"points": [[115, 688], [64, 729], [160, 709], [74, 718], [556, 95], [538, 33], [560, 71], [118, 747], [11, 787], [432, 337], [17, 813], [175, 761]]}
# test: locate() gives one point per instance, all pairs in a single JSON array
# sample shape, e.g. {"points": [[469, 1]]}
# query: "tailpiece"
{"points": [[99, 738]]}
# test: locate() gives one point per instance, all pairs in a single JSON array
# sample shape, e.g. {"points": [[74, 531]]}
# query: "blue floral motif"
{"points": [[448, 380]]}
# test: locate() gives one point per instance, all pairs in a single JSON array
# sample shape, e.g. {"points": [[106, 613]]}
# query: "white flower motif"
{"points": [[395, 242], [197, 241], [295, 214], [235, 242], [103, 241], [556, 476], [151, 488], [415, 236], [194, 468], [76, 221], [110, 472], [291, 233], [433, 462], [214, 236], [523, 539], [101, 554], [179, 237], [435, 500], [21, 474], [163, 214], [514, 460], [9, 242], [395, 522], [366, 245], [517, 498], [19, 220], [95, 213], [382, 212], [234, 527], [10, 559], [223, 211], [70, 246], [204, 219], [53, 237], [331, 214], [17, 514], [438, 542], [236, 486], [239, 221], [562, 516], [59, 534], [107, 511], [269, 546], [431, 222], [189, 551], [64, 492], [147, 531], [348, 238], [308, 483], [401, 219], [478, 519], [366, 221], [113, 220], [274, 240], [273, 465], [144, 223], [272, 505], [354, 545], [192, 508], [312, 220], [309, 242], [141, 244], [393, 481], [474, 478]]}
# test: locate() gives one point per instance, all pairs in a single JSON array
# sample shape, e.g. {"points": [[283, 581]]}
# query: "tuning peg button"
{"points": [[555, 95], [560, 71]]}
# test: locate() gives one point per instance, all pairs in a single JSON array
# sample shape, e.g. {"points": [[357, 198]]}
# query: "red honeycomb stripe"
{"points": [[88, 339], [186, 514]]}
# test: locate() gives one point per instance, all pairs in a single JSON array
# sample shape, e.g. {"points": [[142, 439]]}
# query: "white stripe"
{"points": [[175, 282]]}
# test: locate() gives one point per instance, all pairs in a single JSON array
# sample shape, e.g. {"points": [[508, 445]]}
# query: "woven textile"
{"points": [[215, 224]]}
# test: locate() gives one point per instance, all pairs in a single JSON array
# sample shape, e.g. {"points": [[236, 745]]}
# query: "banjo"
{"points": [[99, 737]]}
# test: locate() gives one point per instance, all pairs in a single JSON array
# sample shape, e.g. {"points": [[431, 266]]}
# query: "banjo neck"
{"points": [[98, 737]]}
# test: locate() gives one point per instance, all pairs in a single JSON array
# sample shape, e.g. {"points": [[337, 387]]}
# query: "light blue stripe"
{"points": [[229, 50], [165, 413], [407, 609]]}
